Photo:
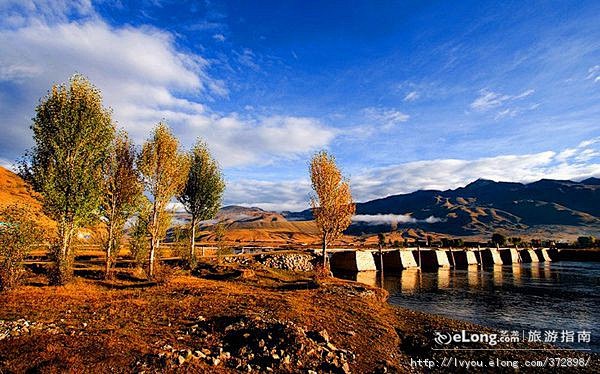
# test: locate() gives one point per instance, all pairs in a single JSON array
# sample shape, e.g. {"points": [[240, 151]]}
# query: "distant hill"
{"points": [[485, 206], [14, 190]]}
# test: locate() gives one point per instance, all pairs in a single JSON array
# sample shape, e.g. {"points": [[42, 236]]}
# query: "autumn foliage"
{"points": [[331, 201]]}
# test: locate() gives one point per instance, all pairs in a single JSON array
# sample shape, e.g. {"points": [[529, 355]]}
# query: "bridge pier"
{"points": [[464, 259], [396, 260], [353, 261], [434, 258], [510, 256], [490, 256], [529, 256], [543, 255]]}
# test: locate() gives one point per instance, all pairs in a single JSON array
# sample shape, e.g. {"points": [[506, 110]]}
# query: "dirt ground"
{"points": [[127, 326]]}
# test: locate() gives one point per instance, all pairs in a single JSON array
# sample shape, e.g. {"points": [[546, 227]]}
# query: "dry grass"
{"points": [[126, 321]]}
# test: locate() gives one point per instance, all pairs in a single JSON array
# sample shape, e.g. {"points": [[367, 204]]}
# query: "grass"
{"points": [[112, 326]]}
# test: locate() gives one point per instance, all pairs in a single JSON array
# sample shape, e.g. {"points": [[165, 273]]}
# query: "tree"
{"points": [[585, 241], [122, 192], [498, 239], [203, 191], [72, 133], [516, 240], [164, 170], [380, 245], [17, 233], [331, 202]]}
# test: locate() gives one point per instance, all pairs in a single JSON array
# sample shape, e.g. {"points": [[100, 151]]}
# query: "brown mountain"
{"points": [[547, 207]]}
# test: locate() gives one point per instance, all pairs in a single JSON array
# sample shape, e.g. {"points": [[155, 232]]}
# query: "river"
{"points": [[522, 297]]}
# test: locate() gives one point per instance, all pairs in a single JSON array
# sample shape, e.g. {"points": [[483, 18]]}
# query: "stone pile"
{"points": [[283, 261], [20, 327], [259, 345], [287, 261]]}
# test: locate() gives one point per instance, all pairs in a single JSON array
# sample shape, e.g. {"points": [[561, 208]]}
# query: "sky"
{"points": [[407, 95]]}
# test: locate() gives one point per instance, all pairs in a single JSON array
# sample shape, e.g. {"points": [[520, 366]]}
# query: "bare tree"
{"points": [[331, 201]]}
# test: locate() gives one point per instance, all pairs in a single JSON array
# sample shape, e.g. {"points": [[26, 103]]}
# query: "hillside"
{"points": [[547, 207], [14, 190]]}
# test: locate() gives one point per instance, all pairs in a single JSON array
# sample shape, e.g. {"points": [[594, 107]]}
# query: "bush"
{"points": [[17, 233], [321, 272]]}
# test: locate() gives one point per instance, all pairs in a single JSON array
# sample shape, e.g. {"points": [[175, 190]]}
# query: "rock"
{"points": [[331, 347], [346, 368], [200, 354], [216, 361], [324, 336], [180, 360]]}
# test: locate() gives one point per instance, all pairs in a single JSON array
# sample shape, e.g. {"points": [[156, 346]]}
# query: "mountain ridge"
{"points": [[485, 206]]}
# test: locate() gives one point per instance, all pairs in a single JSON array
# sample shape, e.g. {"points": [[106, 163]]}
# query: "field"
{"points": [[195, 322]]}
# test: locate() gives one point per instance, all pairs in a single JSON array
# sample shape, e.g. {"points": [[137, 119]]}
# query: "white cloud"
{"points": [[411, 96], [385, 116], [572, 163], [219, 37], [488, 99], [392, 218], [594, 74], [145, 78], [284, 195]]}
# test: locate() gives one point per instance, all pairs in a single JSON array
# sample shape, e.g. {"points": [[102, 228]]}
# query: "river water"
{"points": [[522, 297]]}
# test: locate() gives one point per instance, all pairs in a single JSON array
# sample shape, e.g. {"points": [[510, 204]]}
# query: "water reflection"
{"points": [[558, 295]]}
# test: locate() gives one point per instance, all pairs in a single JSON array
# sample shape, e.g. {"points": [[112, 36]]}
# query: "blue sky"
{"points": [[407, 95]]}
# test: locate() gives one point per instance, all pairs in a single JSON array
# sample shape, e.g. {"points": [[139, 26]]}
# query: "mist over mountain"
{"points": [[485, 206]]}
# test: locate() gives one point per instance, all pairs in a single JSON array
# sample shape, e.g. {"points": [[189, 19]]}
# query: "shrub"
{"points": [[17, 233]]}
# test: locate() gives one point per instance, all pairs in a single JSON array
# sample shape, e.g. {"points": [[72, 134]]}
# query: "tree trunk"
{"points": [[109, 248], [153, 241], [324, 251], [381, 265], [193, 242], [62, 255]]}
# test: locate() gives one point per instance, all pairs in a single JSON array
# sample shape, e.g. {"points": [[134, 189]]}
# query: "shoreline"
{"points": [[122, 326]]}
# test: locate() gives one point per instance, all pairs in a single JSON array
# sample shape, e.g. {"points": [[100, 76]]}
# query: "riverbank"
{"points": [[227, 319]]}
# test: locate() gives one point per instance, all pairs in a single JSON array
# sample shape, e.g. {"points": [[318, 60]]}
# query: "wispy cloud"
{"points": [[385, 117], [577, 163], [219, 37], [488, 99], [412, 96], [594, 74], [375, 219]]}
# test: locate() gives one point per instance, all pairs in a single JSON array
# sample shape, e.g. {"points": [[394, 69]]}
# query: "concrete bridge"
{"points": [[433, 258]]}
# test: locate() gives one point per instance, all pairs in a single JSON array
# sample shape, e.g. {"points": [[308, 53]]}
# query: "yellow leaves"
{"points": [[163, 166], [331, 203]]}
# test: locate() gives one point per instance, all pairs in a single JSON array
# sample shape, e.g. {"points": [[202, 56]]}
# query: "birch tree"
{"points": [[164, 169], [122, 187], [203, 191], [331, 200], [72, 132]]}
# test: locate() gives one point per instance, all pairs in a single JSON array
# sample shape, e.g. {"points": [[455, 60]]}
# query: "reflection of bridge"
{"points": [[432, 258]]}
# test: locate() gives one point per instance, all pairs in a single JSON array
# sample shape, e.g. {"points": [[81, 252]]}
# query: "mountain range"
{"points": [[485, 206], [545, 209]]}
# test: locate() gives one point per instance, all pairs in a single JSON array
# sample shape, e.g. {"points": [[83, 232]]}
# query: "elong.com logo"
{"points": [[445, 338]]}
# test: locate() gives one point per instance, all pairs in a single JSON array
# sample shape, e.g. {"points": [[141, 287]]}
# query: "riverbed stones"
{"points": [[259, 344]]}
